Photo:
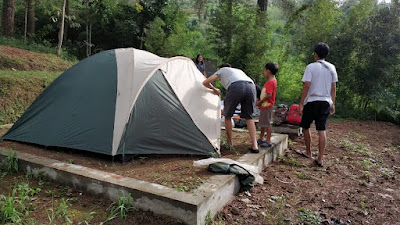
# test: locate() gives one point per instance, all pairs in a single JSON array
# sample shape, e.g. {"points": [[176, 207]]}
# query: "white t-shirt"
{"points": [[228, 75], [321, 74]]}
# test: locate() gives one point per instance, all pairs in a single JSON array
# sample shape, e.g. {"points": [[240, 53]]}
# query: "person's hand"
{"points": [[300, 110], [217, 91], [332, 110], [259, 103]]}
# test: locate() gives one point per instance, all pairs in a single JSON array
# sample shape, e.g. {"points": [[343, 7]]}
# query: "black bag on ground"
{"points": [[246, 179]]}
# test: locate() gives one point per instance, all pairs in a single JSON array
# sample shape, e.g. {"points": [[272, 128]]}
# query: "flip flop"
{"points": [[263, 143], [254, 150], [319, 164], [302, 153]]}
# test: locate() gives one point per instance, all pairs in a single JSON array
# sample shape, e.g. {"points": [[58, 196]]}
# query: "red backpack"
{"points": [[293, 116]]}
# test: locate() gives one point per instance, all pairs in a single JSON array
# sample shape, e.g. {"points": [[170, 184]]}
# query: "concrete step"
{"points": [[192, 208]]}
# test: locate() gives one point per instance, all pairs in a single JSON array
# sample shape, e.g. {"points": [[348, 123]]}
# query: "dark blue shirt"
{"points": [[201, 67]]}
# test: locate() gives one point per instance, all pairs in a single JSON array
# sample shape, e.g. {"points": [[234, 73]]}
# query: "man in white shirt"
{"points": [[240, 89], [318, 98]]}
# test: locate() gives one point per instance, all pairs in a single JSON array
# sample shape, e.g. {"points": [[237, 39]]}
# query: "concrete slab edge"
{"points": [[192, 208]]}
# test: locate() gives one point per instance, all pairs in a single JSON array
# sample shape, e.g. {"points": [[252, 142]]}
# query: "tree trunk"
{"points": [[87, 39], [26, 23], [90, 39], [199, 7], [61, 32], [87, 32], [230, 25], [262, 5], [7, 21], [31, 17], [67, 13]]}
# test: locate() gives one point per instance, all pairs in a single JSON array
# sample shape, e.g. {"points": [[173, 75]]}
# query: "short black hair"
{"points": [[322, 50], [272, 66], [225, 65]]}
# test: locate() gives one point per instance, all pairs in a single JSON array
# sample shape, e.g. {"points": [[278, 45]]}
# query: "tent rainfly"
{"points": [[125, 101]]}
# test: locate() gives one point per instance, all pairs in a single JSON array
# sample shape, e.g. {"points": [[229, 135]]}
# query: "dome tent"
{"points": [[125, 101]]}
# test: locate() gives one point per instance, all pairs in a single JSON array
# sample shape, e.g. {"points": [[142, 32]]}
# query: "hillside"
{"points": [[23, 76]]}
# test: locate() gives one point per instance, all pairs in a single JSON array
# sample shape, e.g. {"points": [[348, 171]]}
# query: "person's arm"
{"points": [[207, 83], [261, 101], [333, 96], [306, 87]]}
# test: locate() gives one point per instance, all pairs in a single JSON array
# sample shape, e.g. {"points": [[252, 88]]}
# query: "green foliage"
{"points": [[350, 146], [212, 221], [8, 211], [155, 36], [291, 161], [18, 89], [365, 163], [17, 206], [302, 176], [43, 47], [121, 207], [61, 212], [274, 213], [305, 215], [10, 164]]}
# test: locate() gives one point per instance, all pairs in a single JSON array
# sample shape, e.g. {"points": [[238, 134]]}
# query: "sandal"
{"points": [[254, 150], [303, 153], [263, 143], [319, 164]]}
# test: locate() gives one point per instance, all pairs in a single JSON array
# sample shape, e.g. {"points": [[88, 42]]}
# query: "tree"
{"points": [[155, 37], [222, 28], [31, 17], [199, 5], [7, 20], [61, 31], [262, 5], [68, 21], [147, 11]]}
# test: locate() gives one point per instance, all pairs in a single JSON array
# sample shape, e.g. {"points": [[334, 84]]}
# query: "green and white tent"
{"points": [[125, 101]]}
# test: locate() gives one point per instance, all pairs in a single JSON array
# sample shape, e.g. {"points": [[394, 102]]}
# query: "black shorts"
{"points": [[317, 111], [242, 92]]}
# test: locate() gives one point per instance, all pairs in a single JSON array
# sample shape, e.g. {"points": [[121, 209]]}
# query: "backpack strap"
{"points": [[327, 67]]}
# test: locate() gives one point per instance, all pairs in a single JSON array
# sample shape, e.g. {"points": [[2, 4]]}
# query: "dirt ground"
{"points": [[359, 183]]}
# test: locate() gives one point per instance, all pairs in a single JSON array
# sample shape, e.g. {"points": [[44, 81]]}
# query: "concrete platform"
{"points": [[192, 208], [288, 129]]}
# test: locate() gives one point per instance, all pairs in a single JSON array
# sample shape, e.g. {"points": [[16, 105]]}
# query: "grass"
{"points": [[355, 134], [121, 207], [10, 164], [275, 211], [386, 173], [302, 176], [213, 221], [29, 74], [18, 89], [310, 216], [19, 205], [44, 47], [350, 146], [365, 163], [291, 161]]}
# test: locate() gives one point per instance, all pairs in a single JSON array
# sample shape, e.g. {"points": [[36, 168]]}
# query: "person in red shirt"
{"points": [[266, 103]]}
